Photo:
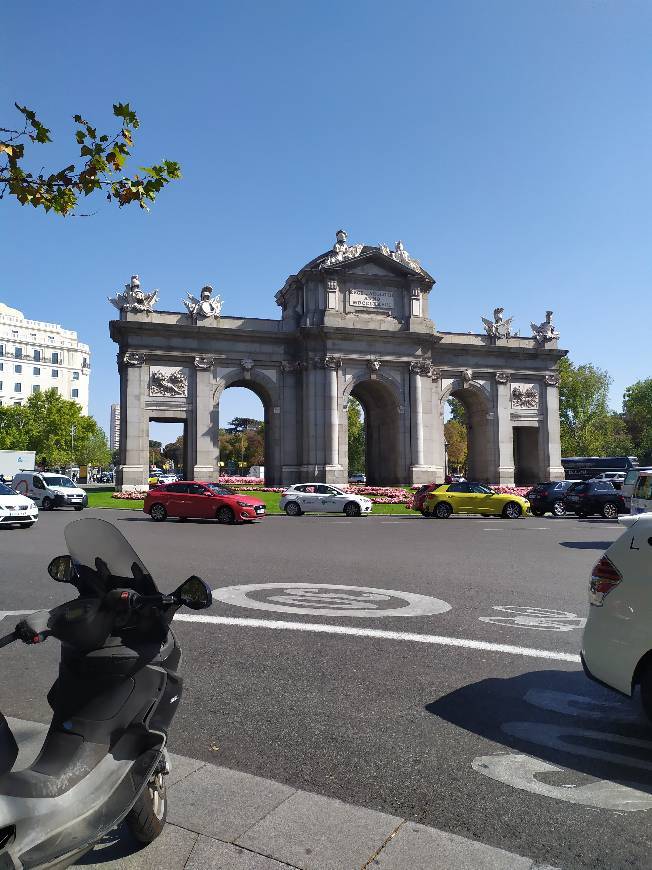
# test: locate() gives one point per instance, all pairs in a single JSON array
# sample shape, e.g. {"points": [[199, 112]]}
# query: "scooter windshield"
{"points": [[103, 556]]}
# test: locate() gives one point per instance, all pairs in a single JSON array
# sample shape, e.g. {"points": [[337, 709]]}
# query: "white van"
{"points": [[642, 495], [50, 490], [629, 483]]}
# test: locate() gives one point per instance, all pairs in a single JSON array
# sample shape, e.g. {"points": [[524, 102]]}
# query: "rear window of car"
{"points": [[579, 487]]}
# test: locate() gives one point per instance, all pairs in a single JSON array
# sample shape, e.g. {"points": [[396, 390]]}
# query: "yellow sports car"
{"points": [[472, 498]]}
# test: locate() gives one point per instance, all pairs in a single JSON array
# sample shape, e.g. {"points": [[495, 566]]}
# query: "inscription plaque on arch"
{"points": [[371, 298]]}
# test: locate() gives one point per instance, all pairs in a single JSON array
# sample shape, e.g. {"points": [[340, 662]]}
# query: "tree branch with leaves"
{"points": [[100, 168]]}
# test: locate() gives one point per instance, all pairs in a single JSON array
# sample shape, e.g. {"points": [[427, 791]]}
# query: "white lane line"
{"points": [[320, 628]]}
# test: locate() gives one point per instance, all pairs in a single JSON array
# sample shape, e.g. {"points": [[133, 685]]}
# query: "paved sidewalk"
{"points": [[221, 819]]}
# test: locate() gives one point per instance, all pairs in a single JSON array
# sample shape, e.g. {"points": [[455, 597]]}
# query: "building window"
{"points": [[55, 358], [18, 352], [37, 355], [50, 339], [14, 333], [37, 371], [36, 388], [2, 350], [18, 369], [2, 367], [18, 388], [75, 376], [55, 373], [33, 336], [75, 394], [17, 404], [56, 389], [0, 385]]}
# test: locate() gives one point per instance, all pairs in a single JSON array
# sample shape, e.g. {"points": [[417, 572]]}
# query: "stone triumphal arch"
{"points": [[355, 322]]}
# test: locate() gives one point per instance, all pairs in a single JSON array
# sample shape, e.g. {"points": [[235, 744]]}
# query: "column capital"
{"points": [[421, 367], [332, 362], [203, 363], [131, 358], [552, 379], [502, 377]]}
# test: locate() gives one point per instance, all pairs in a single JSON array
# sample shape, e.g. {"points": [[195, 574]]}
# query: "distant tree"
{"points": [[242, 424], [637, 414], [155, 453], [45, 424], [586, 427], [356, 437], [456, 445], [100, 168], [457, 411], [174, 452]]}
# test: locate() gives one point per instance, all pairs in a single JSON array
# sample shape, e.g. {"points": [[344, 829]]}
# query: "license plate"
{"points": [[260, 510]]}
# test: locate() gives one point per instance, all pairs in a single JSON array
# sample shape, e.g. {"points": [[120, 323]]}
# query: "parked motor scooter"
{"points": [[104, 759]]}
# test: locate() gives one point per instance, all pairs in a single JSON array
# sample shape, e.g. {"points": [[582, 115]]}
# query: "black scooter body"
{"points": [[112, 708]]}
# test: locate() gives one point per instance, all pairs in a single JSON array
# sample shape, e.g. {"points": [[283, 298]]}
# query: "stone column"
{"points": [[418, 369], [205, 424], [290, 421], [331, 365], [503, 430], [134, 424], [553, 467]]}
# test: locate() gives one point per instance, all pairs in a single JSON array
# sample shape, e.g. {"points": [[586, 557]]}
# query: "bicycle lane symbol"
{"points": [[631, 754], [535, 618]]}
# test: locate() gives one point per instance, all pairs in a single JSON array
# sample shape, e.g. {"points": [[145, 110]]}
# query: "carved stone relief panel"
{"points": [[169, 381], [525, 396]]}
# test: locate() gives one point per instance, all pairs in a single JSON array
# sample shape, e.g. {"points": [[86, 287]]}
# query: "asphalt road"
{"points": [[475, 718]]}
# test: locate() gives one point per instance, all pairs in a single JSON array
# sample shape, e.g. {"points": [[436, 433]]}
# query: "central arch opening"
{"points": [[381, 432], [468, 423], [243, 430]]}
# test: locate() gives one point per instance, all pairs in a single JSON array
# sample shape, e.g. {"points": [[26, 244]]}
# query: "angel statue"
{"points": [[545, 331], [206, 306], [134, 299], [499, 327]]}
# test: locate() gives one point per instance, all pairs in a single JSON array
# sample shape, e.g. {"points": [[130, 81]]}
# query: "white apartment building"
{"points": [[36, 356], [114, 428]]}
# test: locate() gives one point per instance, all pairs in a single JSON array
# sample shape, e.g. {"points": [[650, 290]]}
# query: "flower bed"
{"points": [[133, 495]]}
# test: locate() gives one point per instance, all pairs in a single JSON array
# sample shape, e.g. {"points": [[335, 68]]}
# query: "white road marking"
{"points": [[523, 771], [321, 628], [581, 705], [535, 618], [329, 599]]}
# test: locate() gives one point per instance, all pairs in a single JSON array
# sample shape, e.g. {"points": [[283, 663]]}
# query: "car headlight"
{"points": [[244, 504]]}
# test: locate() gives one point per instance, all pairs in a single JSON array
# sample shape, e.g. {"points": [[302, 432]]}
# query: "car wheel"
{"points": [[443, 510], [352, 509], [512, 511], [158, 513], [225, 515], [425, 513], [26, 525], [47, 504], [537, 512], [293, 509], [558, 509], [610, 511], [79, 507]]}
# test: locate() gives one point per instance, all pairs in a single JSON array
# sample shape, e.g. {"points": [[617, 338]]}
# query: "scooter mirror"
{"points": [[195, 593], [60, 569]]}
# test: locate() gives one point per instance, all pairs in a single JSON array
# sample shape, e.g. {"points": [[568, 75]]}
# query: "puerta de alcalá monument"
{"points": [[355, 321]]}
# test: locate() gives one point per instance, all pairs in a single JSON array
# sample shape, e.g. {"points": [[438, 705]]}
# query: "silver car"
{"points": [[323, 498]]}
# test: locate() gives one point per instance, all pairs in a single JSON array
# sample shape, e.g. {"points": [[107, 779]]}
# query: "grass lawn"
{"points": [[103, 500]]}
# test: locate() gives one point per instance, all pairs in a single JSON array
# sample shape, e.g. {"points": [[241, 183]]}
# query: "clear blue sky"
{"points": [[507, 143]]}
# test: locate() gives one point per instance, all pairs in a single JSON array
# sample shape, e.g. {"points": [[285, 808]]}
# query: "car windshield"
{"points": [[58, 480], [220, 490], [103, 556], [480, 488], [6, 490]]}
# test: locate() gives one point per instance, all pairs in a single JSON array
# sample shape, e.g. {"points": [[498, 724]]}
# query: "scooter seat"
{"points": [[8, 747]]}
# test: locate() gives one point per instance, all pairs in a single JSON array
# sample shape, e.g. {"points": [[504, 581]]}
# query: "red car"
{"points": [[420, 496], [204, 500]]}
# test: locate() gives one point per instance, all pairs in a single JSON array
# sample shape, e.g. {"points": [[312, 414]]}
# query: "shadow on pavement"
{"points": [[561, 718], [586, 545]]}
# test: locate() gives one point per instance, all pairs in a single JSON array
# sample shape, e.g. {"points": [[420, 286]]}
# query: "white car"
{"points": [[617, 642], [50, 490], [323, 498], [168, 478], [16, 509]]}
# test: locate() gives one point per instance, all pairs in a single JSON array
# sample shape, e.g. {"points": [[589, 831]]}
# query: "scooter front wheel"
{"points": [[147, 817]]}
